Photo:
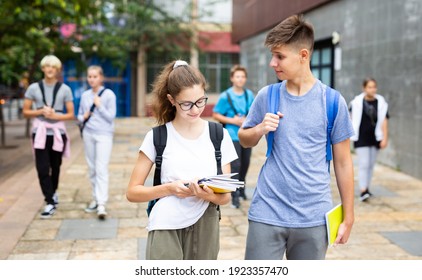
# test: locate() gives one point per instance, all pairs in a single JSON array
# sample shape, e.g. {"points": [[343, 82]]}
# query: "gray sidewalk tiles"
{"points": [[410, 241], [88, 229], [142, 247], [388, 226]]}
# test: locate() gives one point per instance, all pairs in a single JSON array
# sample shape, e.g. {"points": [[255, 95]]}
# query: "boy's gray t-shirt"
{"points": [[293, 188], [63, 95]]}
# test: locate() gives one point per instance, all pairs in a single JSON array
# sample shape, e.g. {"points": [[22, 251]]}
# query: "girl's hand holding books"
{"points": [[179, 189], [201, 192]]}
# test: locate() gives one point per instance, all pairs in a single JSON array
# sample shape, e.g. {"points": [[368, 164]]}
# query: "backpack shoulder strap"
{"points": [[93, 107], [216, 135], [245, 92], [229, 99], [99, 95], [331, 99], [102, 91], [41, 85], [55, 90], [273, 102], [160, 141]]}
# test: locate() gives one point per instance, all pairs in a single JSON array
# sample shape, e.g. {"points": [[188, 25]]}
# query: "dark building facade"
{"points": [[354, 39]]}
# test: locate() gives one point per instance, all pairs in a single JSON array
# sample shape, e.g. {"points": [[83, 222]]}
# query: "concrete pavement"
{"points": [[389, 226]]}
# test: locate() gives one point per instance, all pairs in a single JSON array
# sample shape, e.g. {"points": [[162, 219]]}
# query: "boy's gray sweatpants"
{"points": [[268, 242]]}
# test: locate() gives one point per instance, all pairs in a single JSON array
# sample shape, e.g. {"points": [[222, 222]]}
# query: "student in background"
{"points": [[287, 212], [369, 112], [231, 110], [184, 223], [50, 141], [98, 136]]}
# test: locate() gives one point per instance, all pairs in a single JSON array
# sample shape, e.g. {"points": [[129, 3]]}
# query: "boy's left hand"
{"points": [[343, 234]]}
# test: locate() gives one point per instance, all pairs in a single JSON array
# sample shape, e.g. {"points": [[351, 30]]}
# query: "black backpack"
{"points": [[55, 91], [160, 141]]}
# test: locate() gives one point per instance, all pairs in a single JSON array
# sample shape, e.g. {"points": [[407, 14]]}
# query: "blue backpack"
{"points": [[332, 96]]}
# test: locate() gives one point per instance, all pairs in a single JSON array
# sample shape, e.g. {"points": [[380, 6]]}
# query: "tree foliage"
{"points": [[30, 29]]}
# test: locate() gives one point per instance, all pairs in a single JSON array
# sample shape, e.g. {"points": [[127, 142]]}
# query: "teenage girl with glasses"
{"points": [[184, 223]]}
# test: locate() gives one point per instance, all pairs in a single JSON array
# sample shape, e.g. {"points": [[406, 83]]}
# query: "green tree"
{"points": [[31, 29], [131, 26], [109, 29]]}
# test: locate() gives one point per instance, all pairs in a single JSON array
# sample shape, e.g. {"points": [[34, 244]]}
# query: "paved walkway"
{"points": [[389, 226]]}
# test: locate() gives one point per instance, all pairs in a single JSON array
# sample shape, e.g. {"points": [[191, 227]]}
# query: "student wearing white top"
{"points": [[184, 223], [369, 113], [98, 136]]}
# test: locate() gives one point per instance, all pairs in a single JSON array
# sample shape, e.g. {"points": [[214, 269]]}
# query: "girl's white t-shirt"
{"points": [[184, 159]]}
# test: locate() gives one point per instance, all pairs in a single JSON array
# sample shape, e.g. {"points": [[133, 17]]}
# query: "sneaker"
{"points": [[49, 211], [92, 207], [235, 200], [235, 206], [364, 196], [56, 199], [242, 194], [101, 212]]}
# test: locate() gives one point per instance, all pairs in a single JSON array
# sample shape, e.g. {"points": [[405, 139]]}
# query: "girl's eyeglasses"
{"points": [[187, 105]]}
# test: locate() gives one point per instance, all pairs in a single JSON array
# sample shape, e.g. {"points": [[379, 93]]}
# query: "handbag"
{"points": [[81, 125]]}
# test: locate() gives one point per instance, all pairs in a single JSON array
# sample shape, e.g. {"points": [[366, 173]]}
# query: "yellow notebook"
{"points": [[217, 190], [333, 219]]}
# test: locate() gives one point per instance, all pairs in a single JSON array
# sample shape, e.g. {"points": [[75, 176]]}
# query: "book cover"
{"points": [[222, 183], [333, 219]]}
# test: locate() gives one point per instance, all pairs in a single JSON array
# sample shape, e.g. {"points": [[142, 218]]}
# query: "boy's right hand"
{"points": [[270, 122]]}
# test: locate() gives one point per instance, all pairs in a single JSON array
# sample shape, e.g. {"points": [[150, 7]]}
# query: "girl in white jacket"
{"points": [[369, 112]]}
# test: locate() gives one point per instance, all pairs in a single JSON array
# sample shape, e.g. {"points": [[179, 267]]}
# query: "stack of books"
{"points": [[222, 183]]}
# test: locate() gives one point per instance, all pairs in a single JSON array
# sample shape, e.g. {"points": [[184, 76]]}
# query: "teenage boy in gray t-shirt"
{"points": [[287, 212], [50, 141]]}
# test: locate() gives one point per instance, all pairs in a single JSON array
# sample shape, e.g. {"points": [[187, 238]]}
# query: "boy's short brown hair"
{"points": [[238, 67], [293, 31]]}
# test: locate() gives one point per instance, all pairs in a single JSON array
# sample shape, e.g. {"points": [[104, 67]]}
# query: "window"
{"points": [[216, 69], [214, 66], [322, 62]]}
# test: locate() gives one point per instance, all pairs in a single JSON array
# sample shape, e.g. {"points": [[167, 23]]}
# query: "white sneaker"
{"points": [[92, 207], [101, 212], [49, 211]]}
